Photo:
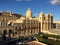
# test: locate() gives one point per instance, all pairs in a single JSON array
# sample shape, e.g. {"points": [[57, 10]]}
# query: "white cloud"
{"points": [[55, 2]]}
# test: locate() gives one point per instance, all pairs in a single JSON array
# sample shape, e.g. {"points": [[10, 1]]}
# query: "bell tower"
{"points": [[49, 21], [41, 20]]}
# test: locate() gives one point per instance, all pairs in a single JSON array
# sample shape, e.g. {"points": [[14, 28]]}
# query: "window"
{"points": [[10, 31], [44, 18], [18, 28], [4, 23]]}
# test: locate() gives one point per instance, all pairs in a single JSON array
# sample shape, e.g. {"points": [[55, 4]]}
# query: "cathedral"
{"points": [[14, 25]]}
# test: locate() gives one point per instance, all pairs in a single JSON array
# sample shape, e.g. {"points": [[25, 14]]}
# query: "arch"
{"points": [[4, 34], [10, 31], [4, 31]]}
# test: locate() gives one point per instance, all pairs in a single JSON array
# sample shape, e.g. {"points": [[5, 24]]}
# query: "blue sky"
{"points": [[36, 6]]}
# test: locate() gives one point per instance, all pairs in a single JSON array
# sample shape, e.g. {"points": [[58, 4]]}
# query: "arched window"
{"points": [[4, 31], [10, 31], [3, 23]]}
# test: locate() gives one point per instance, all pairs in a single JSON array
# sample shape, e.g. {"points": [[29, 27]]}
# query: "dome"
{"points": [[28, 13], [50, 14], [41, 14], [28, 10]]}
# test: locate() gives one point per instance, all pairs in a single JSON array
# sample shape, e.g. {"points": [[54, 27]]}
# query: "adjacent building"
{"points": [[56, 25]]}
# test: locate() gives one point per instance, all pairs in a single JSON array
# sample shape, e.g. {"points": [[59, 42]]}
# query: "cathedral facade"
{"points": [[14, 25]]}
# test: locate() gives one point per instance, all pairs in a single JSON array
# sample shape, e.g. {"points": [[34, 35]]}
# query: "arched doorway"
{"points": [[4, 34], [10, 33], [4, 31]]}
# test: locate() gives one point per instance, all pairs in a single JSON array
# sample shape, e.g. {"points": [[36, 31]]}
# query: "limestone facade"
{"points": [[17, 24]]}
